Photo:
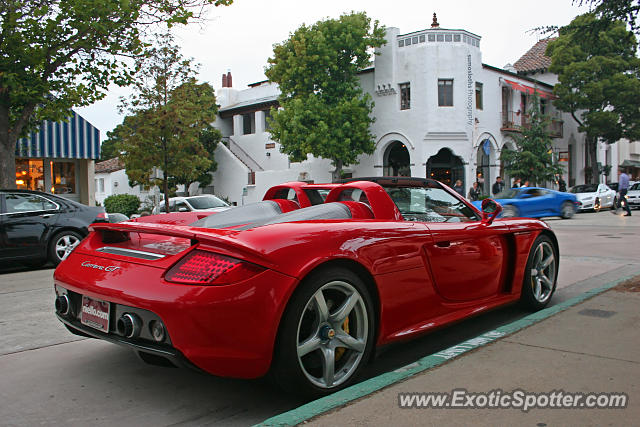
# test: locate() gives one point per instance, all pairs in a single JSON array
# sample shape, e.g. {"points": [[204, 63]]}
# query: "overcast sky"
{"points": [[240, 37]]}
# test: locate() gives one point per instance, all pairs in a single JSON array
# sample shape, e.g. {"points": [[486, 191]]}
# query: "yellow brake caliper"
{"points": [[340, 350]]}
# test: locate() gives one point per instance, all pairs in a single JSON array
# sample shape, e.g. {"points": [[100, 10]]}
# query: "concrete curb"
{"points": [[357, 391]]}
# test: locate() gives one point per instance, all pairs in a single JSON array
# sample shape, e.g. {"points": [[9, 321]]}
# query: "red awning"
{"points": [[530, 90]]}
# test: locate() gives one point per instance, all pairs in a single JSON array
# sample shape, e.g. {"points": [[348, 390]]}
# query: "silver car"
{"points": [[205, 202]]}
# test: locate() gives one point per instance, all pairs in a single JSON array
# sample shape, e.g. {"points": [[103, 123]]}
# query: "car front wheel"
{"points": [[510, 211], [541, 274], [567, 210], [326, 335]]}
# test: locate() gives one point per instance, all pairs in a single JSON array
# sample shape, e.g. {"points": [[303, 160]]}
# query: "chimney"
{"points": [[435, 24], [229, 82], [224, 80]]}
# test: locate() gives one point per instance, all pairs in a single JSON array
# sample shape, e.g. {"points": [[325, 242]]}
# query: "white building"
{"points": [[440, 112], [111, 178]]}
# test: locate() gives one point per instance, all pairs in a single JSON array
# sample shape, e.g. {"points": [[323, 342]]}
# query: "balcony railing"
{"points": [[514, 121]]}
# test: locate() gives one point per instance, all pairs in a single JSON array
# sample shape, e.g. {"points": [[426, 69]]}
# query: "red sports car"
{"points": [[306, 294]]}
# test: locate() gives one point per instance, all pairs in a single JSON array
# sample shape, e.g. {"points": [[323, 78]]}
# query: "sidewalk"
{"points": [[591, 347]]}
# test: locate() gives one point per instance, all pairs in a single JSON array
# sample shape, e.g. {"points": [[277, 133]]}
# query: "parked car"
{"points": [[633, 196], [594, 196], [206, 202], [117, 217], [304, 293], [36, 227], [535, 202]]}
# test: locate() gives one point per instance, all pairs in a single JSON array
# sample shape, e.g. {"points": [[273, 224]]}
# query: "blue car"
{"points": [[535, 202]]}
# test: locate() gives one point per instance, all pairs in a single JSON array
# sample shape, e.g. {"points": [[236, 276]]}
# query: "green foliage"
{"points": [[615, 10], [109, 147], [533, 159], [598, 73], [324, 111], [127, 204], [171, 112], [59, 54]]}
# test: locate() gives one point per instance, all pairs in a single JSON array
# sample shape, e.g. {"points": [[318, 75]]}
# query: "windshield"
{"points": [[430, 204], [586, 188], [635, 187], [507, 193], [206, 202]]}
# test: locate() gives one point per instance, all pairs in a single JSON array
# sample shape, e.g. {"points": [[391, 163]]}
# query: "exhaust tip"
{"points": [[63, 305], [129, 325]]}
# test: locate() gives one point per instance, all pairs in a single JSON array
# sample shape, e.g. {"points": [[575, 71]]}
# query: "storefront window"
{"points": [[63, 178], [30, 174]]}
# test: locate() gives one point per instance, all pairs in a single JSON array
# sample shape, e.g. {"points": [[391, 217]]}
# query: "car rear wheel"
{"points": [[62, 244], [510, 211], [541, 274], [567, 210], [326, 335]]}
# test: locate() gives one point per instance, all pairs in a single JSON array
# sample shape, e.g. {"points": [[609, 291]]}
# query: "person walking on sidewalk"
{"points": [[498, 186], [474, 192], [459, 188], [623, 187]]}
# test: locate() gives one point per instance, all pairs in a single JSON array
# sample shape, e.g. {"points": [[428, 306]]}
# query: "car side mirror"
{"points": [[183, 210], [490, 210]]}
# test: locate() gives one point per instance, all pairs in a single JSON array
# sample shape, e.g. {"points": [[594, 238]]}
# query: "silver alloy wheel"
{"points": [[567, 211], [543, 272], [332, 334], [509, 211], [65, 244]]}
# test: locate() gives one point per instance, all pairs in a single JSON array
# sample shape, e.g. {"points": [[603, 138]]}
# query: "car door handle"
{"points": [[46, 215], [444, 244]]}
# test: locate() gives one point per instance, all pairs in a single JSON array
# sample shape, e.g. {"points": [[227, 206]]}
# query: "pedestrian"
{"points": [[459, 188], [498, 186], [516, 183], [562, 185], [474, 192], [623, 187]]}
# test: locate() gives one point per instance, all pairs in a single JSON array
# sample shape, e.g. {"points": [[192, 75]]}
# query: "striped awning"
{"points": [[73, 139]]}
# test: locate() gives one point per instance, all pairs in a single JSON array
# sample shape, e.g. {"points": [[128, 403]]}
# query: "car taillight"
{"points": [[102, 217], [207, 268]]}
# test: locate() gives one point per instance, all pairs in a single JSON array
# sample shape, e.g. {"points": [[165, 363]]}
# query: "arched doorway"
{"points": [[446, 167], [483, 166], [396, 161]]}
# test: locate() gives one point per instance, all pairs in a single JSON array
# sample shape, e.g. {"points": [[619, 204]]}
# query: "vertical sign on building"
{"points": [[469, 92]]}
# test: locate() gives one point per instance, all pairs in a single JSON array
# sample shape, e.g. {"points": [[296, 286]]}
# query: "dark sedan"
{"points": [[36, 227]]}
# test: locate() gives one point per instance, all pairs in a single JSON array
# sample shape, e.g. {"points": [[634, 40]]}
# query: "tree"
{"points": [[615, 10], [109, 147], [533, 159], [324, 110], [598, 76], [209, 138], [170, 112], [59, 54]]}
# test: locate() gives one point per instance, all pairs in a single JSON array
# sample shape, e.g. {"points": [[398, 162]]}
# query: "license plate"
{"points": [[95, 313]]}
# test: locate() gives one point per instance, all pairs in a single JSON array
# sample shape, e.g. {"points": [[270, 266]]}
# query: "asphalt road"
{"points": [[50, 376]]}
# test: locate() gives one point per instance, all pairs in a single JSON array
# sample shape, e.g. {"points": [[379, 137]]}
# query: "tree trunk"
{"points": [[592, 149], [336, 175], [8, 141]]}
